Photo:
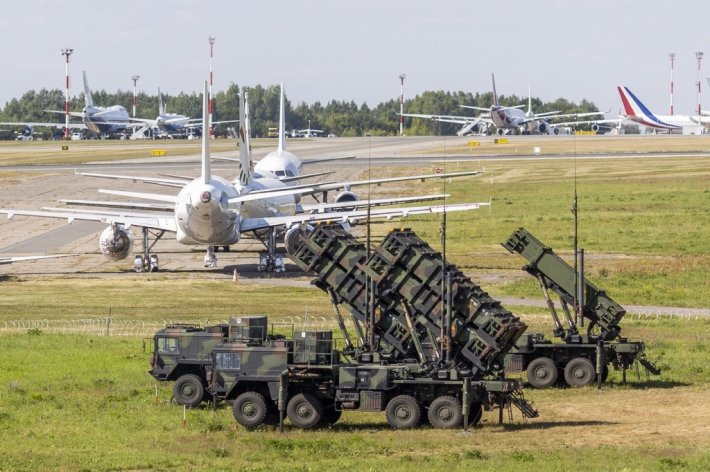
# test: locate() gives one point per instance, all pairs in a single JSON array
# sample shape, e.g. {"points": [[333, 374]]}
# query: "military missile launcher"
{"points": [[580, 358], [429, 342]]}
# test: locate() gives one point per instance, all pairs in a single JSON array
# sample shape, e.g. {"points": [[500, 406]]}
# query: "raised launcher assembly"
{"points": [[582, 357], [408, 279]]}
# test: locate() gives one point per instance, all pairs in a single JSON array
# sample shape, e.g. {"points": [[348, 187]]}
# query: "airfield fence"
{"points": [[110, 326]]}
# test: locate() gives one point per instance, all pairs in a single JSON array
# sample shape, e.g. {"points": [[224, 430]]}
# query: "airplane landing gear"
{"points": [[211, 258], [269, 261], [148, 262]]}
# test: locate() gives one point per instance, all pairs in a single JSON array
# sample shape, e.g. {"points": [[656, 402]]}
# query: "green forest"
{"points": [[342, 118]]}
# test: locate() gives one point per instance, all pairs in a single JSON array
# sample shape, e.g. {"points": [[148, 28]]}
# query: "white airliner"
{"points": [[516, 120], [636, 111], [211, 211], [512, 119], [167, 124], [102, 121]]}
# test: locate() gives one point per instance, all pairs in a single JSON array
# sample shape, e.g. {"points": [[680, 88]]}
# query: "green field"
{"points": [[86, 402]]}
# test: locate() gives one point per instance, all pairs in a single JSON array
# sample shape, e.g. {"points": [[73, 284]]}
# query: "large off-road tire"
{"points": [[249, 409], [304, 410], [403, 412], [188, 390], [445, 413], [579, 372], [542, 372]]}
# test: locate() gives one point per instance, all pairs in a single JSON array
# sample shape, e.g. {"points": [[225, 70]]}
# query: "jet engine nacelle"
{"points": [[116, 242], [344, 197], [543, 128], [292, 235], [595, 127]]}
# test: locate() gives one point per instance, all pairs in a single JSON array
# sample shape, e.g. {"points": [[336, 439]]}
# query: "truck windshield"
{"points": [[168, 345]]}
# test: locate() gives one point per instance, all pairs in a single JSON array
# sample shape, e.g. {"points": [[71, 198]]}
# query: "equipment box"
{"points": [[313, 347], [247, 329]]}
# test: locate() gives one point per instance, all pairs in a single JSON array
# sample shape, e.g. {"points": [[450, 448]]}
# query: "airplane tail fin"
{"points": [[161, 106], [282, 121], [206, 171], [495, 94], [245, 174], [88, 100], [628, 108], [529, 112]]}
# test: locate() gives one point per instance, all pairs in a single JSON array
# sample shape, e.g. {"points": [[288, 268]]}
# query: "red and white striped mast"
{"points": [[66, 53], [135, 78], [211, 101], [672, 56], [401, 103], [699, 57]]}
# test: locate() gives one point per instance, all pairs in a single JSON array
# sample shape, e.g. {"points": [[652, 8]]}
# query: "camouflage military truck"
{"points": [[308, 381], [181, 353], [579, 359]]}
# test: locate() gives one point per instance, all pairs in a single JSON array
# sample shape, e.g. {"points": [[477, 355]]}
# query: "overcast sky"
{"points": [[356, 49]]}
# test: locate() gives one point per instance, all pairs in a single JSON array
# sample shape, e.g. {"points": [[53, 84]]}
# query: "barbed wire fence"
{"points": [[116, 326]]}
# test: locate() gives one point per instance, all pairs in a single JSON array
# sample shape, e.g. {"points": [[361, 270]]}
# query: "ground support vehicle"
{"points": [[580, 358]]}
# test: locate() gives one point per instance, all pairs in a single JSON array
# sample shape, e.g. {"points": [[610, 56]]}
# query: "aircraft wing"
{"points": [[327, 186], [354, 217], [10, 260], [325, 159], [145, 220], [461, 120], [78, 114], [128, 205], [323, 207], [146, 196], [137, 178], [587, 122], [48, 125]]}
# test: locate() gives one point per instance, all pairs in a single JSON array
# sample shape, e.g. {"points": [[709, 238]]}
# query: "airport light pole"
{"points": [[135, 78], [699, 57], [672, 56], [401, 103], [66, 53], [211, 98]]}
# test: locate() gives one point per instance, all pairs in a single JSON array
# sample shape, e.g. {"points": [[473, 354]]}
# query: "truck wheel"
{"points": [[188, 390], [542, 372], [403, 412], [304, 410], [579, 372], [445, 413], [249, 409]]}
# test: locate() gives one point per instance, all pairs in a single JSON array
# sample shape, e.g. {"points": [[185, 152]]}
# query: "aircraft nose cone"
{"points": [[160, 121]]}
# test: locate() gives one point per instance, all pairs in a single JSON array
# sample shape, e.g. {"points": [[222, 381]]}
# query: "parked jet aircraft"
{"points": [[518, 121], [511, 119], [99, 120], [636, 111], [167, 124], [211, 211]]}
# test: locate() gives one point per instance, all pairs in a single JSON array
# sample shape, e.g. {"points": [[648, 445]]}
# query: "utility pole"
{"points": [[135, 78], [66, 53], [211, 100], [672, 56], [699, 57], [401, 103]]}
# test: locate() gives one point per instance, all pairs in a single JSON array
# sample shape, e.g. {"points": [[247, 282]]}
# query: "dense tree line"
{"points": [[343, 118]]}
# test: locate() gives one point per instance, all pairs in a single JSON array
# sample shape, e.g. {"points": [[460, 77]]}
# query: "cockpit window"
{"points": [[280, 173], [289, 173], [228, 360]]}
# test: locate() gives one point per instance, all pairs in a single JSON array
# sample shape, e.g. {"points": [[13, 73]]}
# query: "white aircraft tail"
{"points": [[529, 112], [495, 94], [245, 173], [161, 107], [282, 122], [88, 100], [206, 171]]}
